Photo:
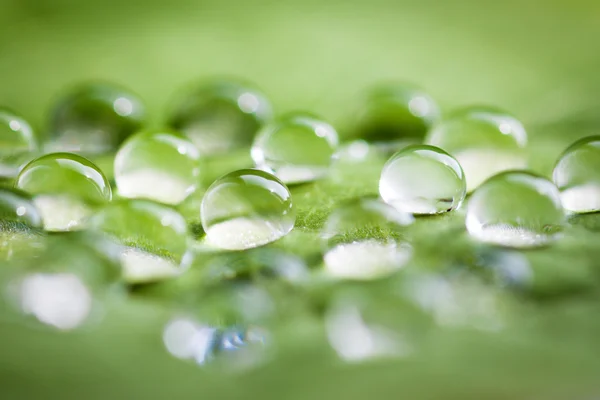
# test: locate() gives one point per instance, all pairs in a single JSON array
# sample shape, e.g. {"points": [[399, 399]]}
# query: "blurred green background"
{"points": [[538, 59]]}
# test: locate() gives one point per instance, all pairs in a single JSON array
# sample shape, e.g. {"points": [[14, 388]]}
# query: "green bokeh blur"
{"points": [[538, 59]]}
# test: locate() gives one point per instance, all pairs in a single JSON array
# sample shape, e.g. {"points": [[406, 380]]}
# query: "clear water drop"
{"points": [[153, 237], [18, 210], [364, 239], [65, 188], [94, 118], [484, 140], [422, 179], [17, 142], [395, 112], [297, 148], [577, 175], [516, 209], [219, 116], [157, 165], [246, 208]]}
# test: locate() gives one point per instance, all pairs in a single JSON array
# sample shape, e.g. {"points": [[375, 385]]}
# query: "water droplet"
{"points": [[577, 175], [157, 165], [94, 118], [395, 112], [154, 238], [422, 179], [246, 208], [516, 209], [297, 148], [364, 240], [17, 142], [17, 209], [484, 140], [219, 116], [65, 188]]}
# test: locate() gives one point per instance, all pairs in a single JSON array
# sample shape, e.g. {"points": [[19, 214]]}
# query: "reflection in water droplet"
{"points": [[516, 209], [577, 175]]}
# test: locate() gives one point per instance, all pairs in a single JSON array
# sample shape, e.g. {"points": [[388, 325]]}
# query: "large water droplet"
{"points": [[157, 165], [484, 140], [17, 142], [395, 112], [577, 175], [516, 209], [422, 179], [219, 116], [154, 238], [94, 118], [246, 208], [364, 239], [65, 188], [297, 148]]}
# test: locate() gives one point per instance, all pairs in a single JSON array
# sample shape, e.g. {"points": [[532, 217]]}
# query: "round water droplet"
{"points": [[220, 116], [516, 209], [157, 165], [422, 179], [154, 238], [364, 239], [484, 140], [396, 112], [297, 148], [246, 208], [17, 210], [577, 175], [65, 188], [94, 118], [17, 142]]}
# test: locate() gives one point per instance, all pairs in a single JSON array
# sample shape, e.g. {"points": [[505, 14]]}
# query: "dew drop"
{"points": [[17, 143], [246, 208], [577, 175], [422, 179], [484, 140], [516, 209], [296, 148]]}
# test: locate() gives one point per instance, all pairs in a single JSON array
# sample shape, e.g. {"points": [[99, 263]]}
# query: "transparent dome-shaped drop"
{"points": [[364, 239], [422, 179], [17, 141], [516, 209], [246, 208], [577, 175], [395, 112], [94, 118], [484, 140], [153, 237], [297, 148], [157, 165], [17, 209], [220, 115], [65, 188]]}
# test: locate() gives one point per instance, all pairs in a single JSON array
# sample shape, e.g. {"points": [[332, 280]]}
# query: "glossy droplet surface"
{"points": [[516, 209], [395, 112], [17, 209], [17, 141], [422, 179], [154, 238], [364, 239], [157, 165], [577, 175], [94, 118], [219, 116], [246, 208], [65, 188], [484, 140], [296, 148]]}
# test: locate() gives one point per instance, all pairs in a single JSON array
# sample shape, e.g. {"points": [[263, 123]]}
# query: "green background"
{"points": [[538, 59]]}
